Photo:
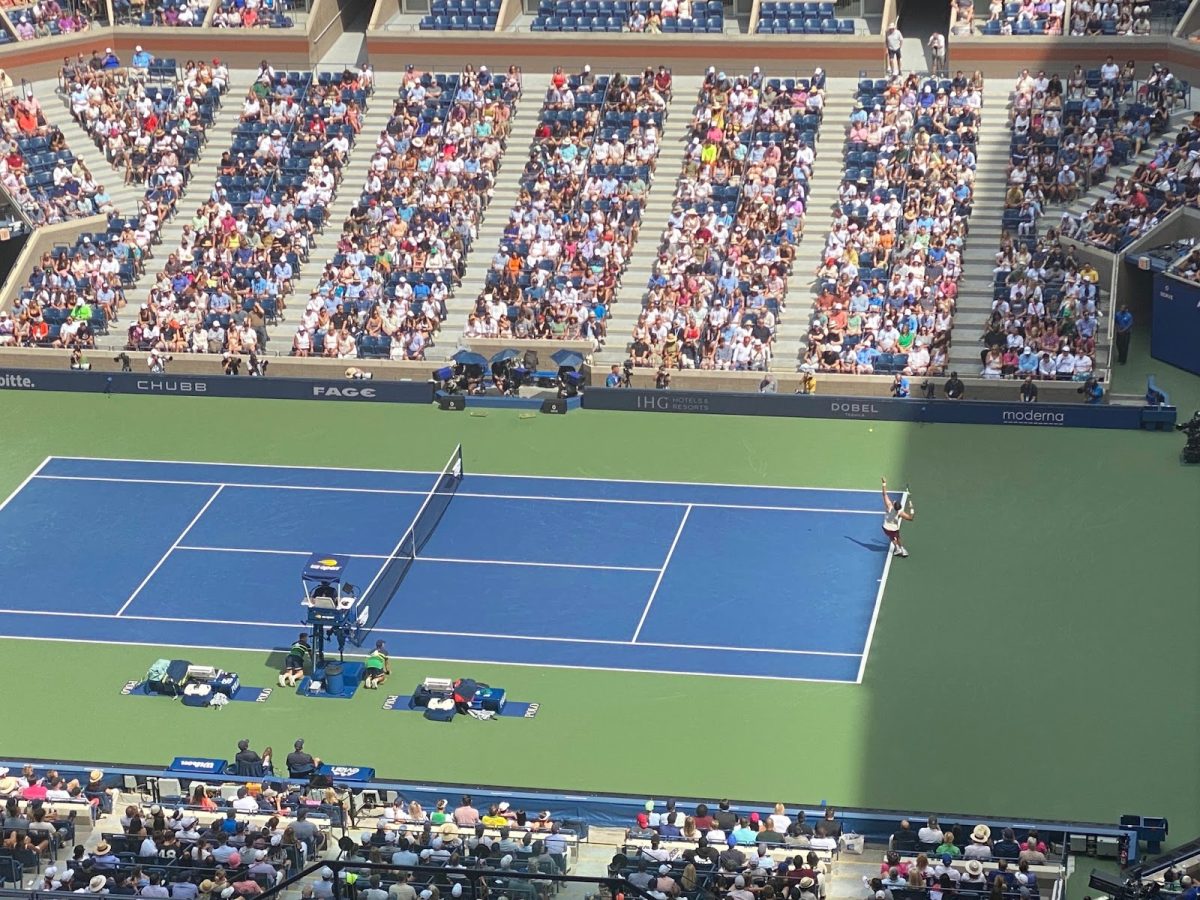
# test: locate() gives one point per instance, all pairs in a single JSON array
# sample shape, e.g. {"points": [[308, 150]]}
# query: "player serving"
{"points": [[894, 514]]}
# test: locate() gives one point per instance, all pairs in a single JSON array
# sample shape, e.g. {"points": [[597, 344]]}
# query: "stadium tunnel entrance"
{"points": [[918, 19]]}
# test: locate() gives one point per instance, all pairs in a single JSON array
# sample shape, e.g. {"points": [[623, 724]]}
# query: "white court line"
{"points": [[773, 487], [344, 490], [444, 659], [887, 567], [275, 552], [430, 633], [433, 559], [661, 572], [178, 541], [28, 478]]}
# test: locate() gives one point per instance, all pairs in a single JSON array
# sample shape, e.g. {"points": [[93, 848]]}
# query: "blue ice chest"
{"points": [[488, 698]]}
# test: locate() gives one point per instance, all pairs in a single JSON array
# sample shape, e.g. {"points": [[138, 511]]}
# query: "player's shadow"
{"points": [[275, 660], [877, 546]]}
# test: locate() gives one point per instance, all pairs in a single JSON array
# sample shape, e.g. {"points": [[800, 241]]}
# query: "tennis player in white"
{"points": [[894, 514]]}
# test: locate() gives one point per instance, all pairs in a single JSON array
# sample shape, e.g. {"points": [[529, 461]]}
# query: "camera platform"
{"points": [[535, 401]]}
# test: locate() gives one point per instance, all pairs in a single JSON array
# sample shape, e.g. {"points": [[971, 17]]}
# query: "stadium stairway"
{"points": [[495, 217], [791, 335], [125, 196], [975, 290], [659, 201]]}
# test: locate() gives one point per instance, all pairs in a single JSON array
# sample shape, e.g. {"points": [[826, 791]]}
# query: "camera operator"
{"points": [[78, 363], [1191, 450], [1091, 390], [231, 363], [257, 367], [1029, 390], [662, 381], [123, 359], [900, 387], [156, 362], [613, 379]]}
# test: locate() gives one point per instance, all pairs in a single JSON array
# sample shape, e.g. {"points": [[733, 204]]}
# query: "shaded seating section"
{"points": [[1125, 17], [782, 17], [569, 236], [718, 288], [888, 281], [243, 248], [582, 15], [264, 14], [1024, 17], [161, 13], [52, 18], [462, 15], [384, 293], [38, 169]]}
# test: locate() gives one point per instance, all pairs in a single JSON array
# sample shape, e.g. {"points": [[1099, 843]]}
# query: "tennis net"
{"points": [[387, 580]]}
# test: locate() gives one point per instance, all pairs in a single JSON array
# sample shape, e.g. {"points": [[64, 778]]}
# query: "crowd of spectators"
{"points": [[719, 284], [163, 13], [48, 18], [1110, 17], [240, 252], [1046, 314], [153, 135], [583, 188], [1170, 179], [38, 169], [888, 281], [1025, 17], [252, 14], [403, 248], [1189, 267], [1067, 135]]}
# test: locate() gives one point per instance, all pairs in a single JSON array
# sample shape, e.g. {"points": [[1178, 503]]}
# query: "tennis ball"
{"points": [[870, 429]]}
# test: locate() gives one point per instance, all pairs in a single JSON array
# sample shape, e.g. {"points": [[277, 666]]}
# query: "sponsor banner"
{"points": [[884, 409], [1176, 323], [197, 765], [269, 388], [347, 773]]}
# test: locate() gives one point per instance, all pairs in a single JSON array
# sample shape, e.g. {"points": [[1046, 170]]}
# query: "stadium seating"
{"points": [[893, 256], [717, 290], [582, 193], [382, 297], [794, 17], [462, 15]]}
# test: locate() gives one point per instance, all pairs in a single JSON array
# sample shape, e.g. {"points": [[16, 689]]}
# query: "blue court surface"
{"points": [[726, 580]]}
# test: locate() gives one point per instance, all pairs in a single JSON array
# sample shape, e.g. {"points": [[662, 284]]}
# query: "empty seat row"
{"points": [[805, 26], [459, 23]]}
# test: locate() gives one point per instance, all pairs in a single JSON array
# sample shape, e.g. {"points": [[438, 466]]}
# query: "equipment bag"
{"points": [[441, 710], [170, 681]]}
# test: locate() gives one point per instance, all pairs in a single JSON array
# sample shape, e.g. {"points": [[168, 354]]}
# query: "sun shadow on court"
{"points": [[876, 546]]}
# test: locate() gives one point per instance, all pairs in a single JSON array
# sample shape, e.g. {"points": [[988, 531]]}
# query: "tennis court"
{"points": [[728, 580]]}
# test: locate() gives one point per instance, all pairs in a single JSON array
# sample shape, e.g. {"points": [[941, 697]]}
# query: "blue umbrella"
{"points": [[505, 356], [567, 358], [469, 358]]}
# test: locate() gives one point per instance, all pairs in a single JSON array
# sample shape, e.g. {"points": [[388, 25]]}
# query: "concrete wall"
{"points": [[846, 385], [209, 364]]}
